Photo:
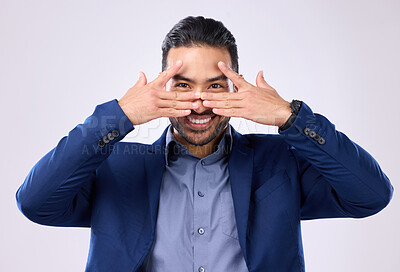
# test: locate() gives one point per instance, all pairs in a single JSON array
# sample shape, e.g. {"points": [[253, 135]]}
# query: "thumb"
{"points": [[142, 80], [260, 81]]}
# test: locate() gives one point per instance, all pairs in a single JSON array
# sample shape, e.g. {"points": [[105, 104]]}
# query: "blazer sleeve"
{"points": [[58, 189], [338, 178]]}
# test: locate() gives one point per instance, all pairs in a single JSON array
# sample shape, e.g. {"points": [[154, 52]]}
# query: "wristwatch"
{"points": [[295, 105]]}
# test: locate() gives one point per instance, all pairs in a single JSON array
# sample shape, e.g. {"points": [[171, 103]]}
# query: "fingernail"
{"points": [[203, 95], [197, 94], [178, 62], [140, 74], [262, 73]]}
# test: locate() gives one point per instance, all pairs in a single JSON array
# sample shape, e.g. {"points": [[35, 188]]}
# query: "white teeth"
{"points": [[198, 121]]}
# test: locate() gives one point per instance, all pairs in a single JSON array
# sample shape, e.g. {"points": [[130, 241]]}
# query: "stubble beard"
{"points": [[219, 127]]}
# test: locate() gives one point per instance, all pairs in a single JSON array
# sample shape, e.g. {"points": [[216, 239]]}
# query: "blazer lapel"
{"points": [[240, 166], [155, 166]]}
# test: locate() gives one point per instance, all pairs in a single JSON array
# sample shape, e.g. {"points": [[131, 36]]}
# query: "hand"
{"points": [[260, 104], [145, 102]]}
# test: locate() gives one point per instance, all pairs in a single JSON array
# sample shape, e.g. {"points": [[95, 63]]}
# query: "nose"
{"points": [[200, 107]]}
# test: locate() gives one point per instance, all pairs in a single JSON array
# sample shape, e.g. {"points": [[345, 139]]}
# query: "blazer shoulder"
{"points": [[260, 140], [270, 151], [133, 147]]}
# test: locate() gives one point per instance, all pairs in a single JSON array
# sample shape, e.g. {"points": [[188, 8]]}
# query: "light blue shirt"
{"points": [[196, 227]]}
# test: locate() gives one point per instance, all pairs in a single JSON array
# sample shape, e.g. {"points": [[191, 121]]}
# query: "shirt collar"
{"points": [[171, 144]]}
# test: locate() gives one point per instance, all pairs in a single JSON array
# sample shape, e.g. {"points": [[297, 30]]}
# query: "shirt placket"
{"points": [[200, 217]]}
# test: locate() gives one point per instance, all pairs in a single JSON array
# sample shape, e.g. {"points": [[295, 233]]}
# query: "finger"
{"points": [[179, 105], [166, 75], [223, 96], [171, 112], [174, 95], [142, 80], [234, 112], [223, 104], [232, 75], [260, 81]]}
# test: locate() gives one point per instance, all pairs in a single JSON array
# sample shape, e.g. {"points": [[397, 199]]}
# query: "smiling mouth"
{"points": [[199, 121]]}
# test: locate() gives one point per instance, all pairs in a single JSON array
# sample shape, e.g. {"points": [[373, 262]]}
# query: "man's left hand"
{"points": [[261, 103]]}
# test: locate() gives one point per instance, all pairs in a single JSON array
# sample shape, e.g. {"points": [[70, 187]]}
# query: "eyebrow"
{"points": [[180, 77]]}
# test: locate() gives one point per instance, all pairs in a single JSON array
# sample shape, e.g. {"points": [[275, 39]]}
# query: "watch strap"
{"points": [[295, 106]]}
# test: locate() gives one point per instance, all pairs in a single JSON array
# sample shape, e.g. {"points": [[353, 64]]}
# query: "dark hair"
{"points": [[198, 31]]}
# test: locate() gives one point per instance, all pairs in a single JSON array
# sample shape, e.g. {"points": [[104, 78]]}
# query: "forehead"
{"points": [[199, 61]]}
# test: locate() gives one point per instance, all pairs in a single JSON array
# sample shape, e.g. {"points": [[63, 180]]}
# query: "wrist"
{"points": [[284, 115], [295, 106]]}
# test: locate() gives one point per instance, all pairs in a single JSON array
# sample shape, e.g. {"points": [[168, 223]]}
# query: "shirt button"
{"points": [[201, 269], [203, 162], [200, 231], [200, 194]]}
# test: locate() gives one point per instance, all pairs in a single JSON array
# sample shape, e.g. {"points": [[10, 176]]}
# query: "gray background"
{"points": [[59, 59]]}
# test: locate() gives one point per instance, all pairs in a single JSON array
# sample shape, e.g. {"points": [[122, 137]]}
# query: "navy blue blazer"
{"points": [[308, 171]]}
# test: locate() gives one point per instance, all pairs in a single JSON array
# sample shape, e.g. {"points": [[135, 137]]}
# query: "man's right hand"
{"points": [[145, 102]]}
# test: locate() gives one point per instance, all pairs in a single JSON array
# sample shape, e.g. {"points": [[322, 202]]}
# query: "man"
{"points": [[203, 197]]}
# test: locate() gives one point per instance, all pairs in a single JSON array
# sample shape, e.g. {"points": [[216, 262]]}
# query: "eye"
{"points": [[180, 85], [217, 84]]}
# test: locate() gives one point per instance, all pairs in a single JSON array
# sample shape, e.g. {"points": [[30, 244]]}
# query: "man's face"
{"points": [[199, 72]]}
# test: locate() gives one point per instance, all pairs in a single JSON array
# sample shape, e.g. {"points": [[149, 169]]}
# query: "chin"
{"points": [[199, 136]]}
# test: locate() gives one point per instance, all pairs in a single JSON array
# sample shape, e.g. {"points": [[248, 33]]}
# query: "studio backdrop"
{"points": [[60, 59]]}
